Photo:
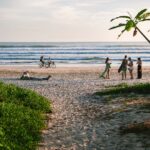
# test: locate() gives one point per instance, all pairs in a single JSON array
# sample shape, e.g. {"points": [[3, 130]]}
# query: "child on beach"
{"points": [[130, 67], [107, 69], [139, 68]]}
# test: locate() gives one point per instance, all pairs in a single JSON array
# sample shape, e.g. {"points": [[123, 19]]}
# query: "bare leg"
{"points": [[125, 74], [108, 73], [131, 74]]}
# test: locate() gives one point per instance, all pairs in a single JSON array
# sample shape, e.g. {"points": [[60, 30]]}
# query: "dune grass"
{"points": [[131, 93], [123, 89], [21, 118], [138, 128]]}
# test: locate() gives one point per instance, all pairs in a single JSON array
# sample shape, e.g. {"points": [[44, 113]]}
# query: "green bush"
{"points": [[26, 97], [21, 117], [20, 126]]}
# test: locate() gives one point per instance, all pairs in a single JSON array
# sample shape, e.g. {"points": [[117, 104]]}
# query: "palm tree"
{"points": [[131, 22]]}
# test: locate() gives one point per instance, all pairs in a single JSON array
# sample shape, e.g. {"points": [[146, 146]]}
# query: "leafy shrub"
{"points": [[26, 97], [20, 126], [21, 117]]}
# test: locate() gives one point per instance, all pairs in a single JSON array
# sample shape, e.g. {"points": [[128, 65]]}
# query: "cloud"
{"points": [[68, 18], [58, 10]]}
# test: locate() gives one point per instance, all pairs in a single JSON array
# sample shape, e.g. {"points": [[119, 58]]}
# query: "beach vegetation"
{"points": [[138, 128], [140, 88], [118, 85], [132, 23], [146, 106], [136, 94], [13, 94], [21, 117]]}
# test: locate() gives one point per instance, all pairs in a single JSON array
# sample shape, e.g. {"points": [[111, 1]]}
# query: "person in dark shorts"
{"points": [[139, 68], [124, 67], [26, 76]]}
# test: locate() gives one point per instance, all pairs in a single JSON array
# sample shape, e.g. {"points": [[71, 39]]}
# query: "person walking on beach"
{"points": [[139, 68], [130, 67], [123, 67], [107, 69]]}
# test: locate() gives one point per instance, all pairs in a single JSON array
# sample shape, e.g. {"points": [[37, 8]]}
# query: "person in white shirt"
{"points": [[130, 67]]}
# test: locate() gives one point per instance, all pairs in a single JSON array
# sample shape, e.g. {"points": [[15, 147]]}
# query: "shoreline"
{"points": [[63, 69]]}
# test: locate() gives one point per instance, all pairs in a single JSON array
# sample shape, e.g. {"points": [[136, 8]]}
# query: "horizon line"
{"points": [[73, 41]]}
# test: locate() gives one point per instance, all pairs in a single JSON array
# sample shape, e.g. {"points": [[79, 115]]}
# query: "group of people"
{"points": [[127, 64]]}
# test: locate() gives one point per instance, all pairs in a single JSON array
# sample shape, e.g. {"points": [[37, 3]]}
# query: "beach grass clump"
{"points": [[138, 128], [20, 96], [20, 126], [20, 121], [146, 106], [118, 85], [140, 88]]}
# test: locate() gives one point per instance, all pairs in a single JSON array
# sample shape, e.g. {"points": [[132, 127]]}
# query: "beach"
{"points": [[79, 119], [65, 69], [74, 75]]}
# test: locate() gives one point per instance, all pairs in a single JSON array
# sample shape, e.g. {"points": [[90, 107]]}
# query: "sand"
{"points": [[60, 70], [81, 120]]}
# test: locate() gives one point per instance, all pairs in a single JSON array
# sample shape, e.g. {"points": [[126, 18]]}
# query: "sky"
{"points": [[67, 20]]}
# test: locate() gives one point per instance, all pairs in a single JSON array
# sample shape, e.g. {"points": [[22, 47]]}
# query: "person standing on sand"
{"points": [[130, 67], [42, 60], [124, 67], [139, 68], [107, 69]]}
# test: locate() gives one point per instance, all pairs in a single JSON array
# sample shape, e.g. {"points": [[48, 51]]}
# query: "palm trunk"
{"points": [[143, 35]]}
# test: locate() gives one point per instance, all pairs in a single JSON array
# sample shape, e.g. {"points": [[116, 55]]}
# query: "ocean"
{"points": [[72, 53]]}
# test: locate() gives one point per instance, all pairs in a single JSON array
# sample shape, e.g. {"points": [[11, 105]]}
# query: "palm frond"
{"points": [[119, 25], [131, 23], [121, 33], [140, 13], [120, 17], [146, 15], [144, 20]]}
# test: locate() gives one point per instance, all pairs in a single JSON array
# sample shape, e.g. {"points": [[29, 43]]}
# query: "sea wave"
{"points": [[77, 53]]}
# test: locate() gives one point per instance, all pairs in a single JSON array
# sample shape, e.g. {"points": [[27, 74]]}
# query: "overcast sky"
{"points": [[66, 20]]}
